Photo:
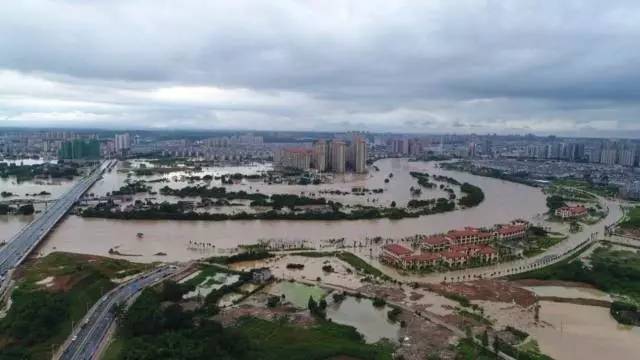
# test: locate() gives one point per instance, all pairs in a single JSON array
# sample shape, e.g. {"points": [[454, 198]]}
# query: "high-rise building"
{"points": [[296, 158], [80, 149], [609, 156], [122, 142], [321, 155], [358, 155], [628, 157], [338, 156]]}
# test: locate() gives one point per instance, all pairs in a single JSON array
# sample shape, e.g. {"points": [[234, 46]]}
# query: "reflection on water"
{"points": [[584, 332], [370, 321], [504, 202]]}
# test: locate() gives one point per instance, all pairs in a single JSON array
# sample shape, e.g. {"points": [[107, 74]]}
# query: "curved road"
{"points": [[86, 339]]}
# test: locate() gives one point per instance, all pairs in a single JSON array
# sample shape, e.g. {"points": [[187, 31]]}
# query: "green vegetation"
{"points": [[602, 190], [361, 265], [53, 292], [466, 349], [539, 244], [625, 313], [423, 179], [613, 271], [473, 195], [245, 256], [150, 330], [555, 202], [27, 172], [132, 188], [631, 219], [325, 340]]}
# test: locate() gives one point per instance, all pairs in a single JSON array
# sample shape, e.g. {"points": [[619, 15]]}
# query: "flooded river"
{"points": [[504, 202]]}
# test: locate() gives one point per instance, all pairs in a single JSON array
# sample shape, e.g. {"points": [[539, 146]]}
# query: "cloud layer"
{"points": [[568, 67]]}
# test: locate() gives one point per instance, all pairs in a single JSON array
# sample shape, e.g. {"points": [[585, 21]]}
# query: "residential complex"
{"points": [[454, 248]]}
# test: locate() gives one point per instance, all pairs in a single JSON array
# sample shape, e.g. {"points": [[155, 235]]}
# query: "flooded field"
{"points": [[370, 321], [504, 202], [585, 333], [569, 292], [296, 293]]}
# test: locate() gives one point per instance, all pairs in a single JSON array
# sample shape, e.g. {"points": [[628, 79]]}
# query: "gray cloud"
{"points": [[430, 66]]}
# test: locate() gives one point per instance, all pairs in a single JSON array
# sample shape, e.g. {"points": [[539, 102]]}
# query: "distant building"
{"points": [[358, 155], [628, 157], [80, 149], [608, 156], [338, 156], [122, 142], [321, 155], [296, 158]]}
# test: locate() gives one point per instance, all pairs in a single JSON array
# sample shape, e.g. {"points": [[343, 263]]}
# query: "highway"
{"points": [[19, 247], [86, 339]]}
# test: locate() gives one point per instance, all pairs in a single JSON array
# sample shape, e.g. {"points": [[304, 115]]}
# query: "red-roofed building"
{"points": [[470, 236], [395, 254], [436, 243], [571, 212], [511, 232], [419, 261]]}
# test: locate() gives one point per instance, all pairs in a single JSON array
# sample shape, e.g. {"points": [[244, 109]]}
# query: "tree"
{"points": [[172, 291], [555, 202], [393, 204], [26, 209]]}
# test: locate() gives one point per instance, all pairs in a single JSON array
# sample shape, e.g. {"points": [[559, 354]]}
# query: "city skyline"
{"points": [[435, 67]]}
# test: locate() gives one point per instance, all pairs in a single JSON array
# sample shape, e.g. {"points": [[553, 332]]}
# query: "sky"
{"points": [[513, 66]]}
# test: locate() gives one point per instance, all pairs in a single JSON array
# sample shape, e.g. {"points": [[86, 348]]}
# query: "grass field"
{"points": [[281, 340], [68, 285]]}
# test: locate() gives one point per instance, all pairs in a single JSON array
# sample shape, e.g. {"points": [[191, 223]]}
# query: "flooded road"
{"points": [[504, 201], [585, 333]]}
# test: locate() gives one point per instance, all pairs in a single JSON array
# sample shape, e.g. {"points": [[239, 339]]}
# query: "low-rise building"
{"points": [[571, 212], [395, 254], [511, 232]]}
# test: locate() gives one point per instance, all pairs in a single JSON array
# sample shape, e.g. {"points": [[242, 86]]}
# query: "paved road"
{"points": [[17, 249], [88, 337]]}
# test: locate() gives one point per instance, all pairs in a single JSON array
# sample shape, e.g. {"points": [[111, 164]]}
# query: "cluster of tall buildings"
{"points": [[327, 156], [231, 141], [80, 149], [612, 153], [557, 151]]}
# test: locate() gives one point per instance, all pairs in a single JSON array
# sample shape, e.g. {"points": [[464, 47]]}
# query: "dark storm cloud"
{"points": [[505, 66]]}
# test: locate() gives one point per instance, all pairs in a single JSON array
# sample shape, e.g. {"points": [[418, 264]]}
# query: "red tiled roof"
{"points": [[436, 240], [511, 229], [397, 249]]}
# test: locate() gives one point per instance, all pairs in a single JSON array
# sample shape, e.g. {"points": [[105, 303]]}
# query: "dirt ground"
{"points": [[424, 338], [490, 289], [230, 315]]}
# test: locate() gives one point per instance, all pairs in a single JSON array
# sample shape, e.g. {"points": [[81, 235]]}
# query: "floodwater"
{"points": [[569, 292], [585, 333], [370, 321], [11, 224], [504, 201]]}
